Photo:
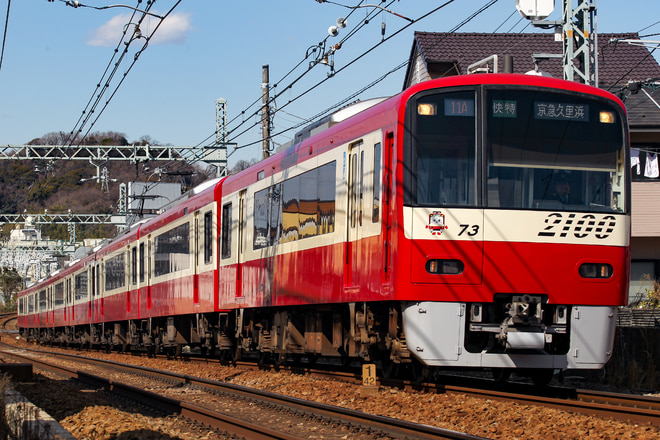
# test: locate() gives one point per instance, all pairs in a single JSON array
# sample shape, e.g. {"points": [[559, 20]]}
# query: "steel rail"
{"points": [[390, 426]]}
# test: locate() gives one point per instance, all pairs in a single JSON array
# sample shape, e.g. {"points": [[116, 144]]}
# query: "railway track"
{"points": [[238, 410], [617, 406]]}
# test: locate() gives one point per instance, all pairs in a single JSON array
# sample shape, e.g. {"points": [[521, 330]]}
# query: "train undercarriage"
{"points": [[370, 332], [342, 333]]}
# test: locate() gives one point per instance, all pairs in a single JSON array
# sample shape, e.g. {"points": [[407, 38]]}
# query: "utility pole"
{"points": [[265, 112], [221, 137]]}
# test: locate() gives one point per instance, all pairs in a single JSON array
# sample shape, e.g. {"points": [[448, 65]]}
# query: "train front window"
{"points": [[551, 151], [440, 163]]}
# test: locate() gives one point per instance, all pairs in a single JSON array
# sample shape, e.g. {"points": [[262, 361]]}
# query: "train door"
{"points": [[91, 281], [196, 249], [133, 290], [355, 212], [242, 217], [141, 288], [50, 312]]}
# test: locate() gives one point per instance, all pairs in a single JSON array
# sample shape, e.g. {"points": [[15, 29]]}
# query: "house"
{"points": [[435, 55]]}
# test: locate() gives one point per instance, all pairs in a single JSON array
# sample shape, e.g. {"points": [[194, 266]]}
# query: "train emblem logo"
{"points": [[436, 223]]}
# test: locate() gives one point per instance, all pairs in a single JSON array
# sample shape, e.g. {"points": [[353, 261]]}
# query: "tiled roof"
{"points": [[618, 62], [643, 111]]}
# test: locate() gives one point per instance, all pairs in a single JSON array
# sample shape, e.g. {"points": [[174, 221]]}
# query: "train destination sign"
{"points": [[561, 111]]}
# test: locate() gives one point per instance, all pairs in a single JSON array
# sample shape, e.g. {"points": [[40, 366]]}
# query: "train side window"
{"points": [[59, 295], [172, 250], [134, 260], [42, 301], [208, 237], [375, 217], [80, 287], [115, 275], [226, 231], [143, 258]]}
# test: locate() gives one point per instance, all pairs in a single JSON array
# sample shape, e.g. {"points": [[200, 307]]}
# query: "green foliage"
{"points": [[10, 284], [651, 297], [32, 186]]}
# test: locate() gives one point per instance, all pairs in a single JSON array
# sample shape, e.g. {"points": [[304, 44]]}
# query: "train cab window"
{"points": [[208, 237], [553, 151], [440, 150], [226, 230]]}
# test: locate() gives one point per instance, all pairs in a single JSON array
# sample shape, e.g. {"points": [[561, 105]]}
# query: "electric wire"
{"points": [[350, 63], [504, 22], [135, 36], [353, 95], [102, 84], [307, 55], [4, 36], [362, 90], [400, 66]]}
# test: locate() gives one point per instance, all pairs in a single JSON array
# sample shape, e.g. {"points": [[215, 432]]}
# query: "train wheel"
{"points": [[501, 374], [542, 378]]}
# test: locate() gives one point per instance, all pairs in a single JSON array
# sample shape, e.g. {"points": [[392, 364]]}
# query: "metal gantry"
{"points": [[69, 219], [580, 43], [99, 155]]}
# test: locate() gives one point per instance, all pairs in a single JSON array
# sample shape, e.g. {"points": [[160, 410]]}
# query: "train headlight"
{"points": [[426, 109], [445, 267], [596, 270], [607, 117]]}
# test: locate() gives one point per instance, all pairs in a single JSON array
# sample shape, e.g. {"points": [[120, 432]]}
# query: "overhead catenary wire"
{"points": [[307, 55], [350, 63], [355, 94], [400, 66], [4, 35], [106, 84], [369, 16]]}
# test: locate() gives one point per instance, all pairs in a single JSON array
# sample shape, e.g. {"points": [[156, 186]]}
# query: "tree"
{"points": [[242, 165], [10, 284]]}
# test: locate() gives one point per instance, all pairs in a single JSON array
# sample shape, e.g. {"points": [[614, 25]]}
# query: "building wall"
{"points": [[645, 244], [646, 210]]}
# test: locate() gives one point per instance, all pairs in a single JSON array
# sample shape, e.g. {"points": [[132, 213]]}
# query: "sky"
{"points": [[55, 57]]}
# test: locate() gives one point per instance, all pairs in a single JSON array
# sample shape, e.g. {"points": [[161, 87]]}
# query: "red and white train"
{"points": [[472, 221]]}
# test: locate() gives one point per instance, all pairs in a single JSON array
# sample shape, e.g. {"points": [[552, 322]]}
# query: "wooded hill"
{"points": [[31, 186]]}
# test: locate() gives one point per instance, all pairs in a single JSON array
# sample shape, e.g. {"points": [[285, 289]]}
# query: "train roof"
{"points": [[192, 200]]}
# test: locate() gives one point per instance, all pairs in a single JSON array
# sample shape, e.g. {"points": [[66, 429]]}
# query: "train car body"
{"points": [[473, 221]]}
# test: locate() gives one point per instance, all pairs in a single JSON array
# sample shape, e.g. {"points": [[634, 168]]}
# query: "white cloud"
{"points": [[173, 30]]}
